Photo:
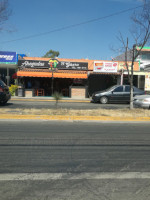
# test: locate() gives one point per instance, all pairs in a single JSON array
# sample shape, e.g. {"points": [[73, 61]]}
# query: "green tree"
{"points": [[51, 54]]}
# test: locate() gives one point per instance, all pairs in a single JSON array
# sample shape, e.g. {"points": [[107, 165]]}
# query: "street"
{"points": [[70, 160], [47, 104]]}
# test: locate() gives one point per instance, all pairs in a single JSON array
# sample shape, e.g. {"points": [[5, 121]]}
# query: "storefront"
{"points": [[104, 75], [44, 76], [8, 66], [124, 73], [74, 78]]}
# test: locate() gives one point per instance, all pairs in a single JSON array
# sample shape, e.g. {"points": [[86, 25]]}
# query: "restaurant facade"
{"points": [[74, 78]]}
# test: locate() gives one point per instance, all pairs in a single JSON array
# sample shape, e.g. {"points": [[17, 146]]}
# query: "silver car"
{"points": [[142, 101]]}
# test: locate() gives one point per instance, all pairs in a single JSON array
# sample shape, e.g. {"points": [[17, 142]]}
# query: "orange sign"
{"points": [[122, 65]]}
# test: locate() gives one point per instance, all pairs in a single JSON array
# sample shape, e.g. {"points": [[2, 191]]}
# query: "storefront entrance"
{"points": [[43, 86], [99, 82]]}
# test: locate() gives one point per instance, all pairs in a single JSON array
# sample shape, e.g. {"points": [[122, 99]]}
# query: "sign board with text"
{"points": [[108, 67], [61, 65], [7, 57]]}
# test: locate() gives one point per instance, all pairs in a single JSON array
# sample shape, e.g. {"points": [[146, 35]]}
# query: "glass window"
{"points": [[127, 88], [119, 89], [2, 84], [145, 56]]}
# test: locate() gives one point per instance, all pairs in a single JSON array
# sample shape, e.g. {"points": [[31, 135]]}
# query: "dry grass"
{"points": [[71, 112]]}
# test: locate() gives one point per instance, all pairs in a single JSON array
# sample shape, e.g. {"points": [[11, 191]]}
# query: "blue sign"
{"points": [[20, 56], [7, 57]]}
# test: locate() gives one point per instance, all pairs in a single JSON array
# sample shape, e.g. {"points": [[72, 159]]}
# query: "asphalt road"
{"points": [[13, 104], [74, 155]]}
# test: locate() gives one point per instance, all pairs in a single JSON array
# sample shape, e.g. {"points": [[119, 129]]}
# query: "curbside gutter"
{"points": [[71, 118]]}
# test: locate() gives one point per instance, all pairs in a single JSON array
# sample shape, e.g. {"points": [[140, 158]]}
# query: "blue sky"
{"points": [[91, 40]]}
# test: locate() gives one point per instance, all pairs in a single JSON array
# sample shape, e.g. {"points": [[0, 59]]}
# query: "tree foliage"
{"points": [[51, 54]]}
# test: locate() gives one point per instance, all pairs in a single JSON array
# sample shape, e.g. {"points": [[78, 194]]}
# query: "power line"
{"points": [[73, 25]]}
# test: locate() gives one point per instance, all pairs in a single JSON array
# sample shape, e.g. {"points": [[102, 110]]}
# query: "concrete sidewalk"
{"points": [[40, 98]]}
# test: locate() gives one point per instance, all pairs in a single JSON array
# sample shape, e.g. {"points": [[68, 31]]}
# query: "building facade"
{"points": [[73, 78]]}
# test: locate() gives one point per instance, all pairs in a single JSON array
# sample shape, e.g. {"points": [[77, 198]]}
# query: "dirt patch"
{"points": [[96, 112]]}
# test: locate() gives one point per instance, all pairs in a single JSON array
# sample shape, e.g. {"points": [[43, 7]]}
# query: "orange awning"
{"points": [[49, 74]]}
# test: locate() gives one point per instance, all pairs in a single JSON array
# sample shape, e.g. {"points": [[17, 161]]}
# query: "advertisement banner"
{"points": [[33, 64], [108, 67], [61, 65], [72, 65], [122, 65], [8, 57]]}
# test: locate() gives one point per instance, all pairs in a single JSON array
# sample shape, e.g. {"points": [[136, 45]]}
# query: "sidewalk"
{"points": [[19, 115], [64, 99]]}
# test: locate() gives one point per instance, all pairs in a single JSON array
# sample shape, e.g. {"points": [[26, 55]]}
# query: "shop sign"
{"points": [[7, 57], [53, 63], [122, 65], [33, 64], [72, 65], [20, 56], [147, 83], [61, 65], [109, 67]]}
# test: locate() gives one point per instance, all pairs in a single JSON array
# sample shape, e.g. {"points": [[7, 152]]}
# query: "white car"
{"points": [[142, 101]]}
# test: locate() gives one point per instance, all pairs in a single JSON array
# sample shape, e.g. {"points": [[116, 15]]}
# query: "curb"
{"points": [[52, 100], [72, 118]]}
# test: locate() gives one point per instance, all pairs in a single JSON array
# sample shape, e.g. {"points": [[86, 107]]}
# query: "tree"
{"points": [[141, 35], [57, 96], [5, 12], [51, 54]]}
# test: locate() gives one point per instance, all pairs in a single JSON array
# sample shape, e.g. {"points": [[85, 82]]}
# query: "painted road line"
{"points": [[72, 118], [72, 176]]}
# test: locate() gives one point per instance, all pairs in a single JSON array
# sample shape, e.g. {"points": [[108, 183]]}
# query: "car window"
{"points": [[119, 89], [110, 88], [127, 88], [2, 84]]}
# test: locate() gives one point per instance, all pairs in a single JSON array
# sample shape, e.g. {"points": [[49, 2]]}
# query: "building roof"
{"points": [[122, 56]]}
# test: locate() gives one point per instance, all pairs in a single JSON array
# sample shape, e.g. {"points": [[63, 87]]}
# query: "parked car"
{"points": [[116, 93], [142, 101], [4, 93]]}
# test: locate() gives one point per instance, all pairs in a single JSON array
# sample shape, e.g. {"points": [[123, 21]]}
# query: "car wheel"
{"points": [[104, 100]]}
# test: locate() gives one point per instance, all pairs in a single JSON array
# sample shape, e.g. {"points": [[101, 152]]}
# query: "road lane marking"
{"points": [[73, 176], [72, 118]]}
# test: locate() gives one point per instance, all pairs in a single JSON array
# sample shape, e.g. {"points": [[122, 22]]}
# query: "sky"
{"points": [[36, 26]]}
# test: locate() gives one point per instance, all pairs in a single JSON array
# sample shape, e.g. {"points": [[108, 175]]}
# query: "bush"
{"points": [[57, 96], [12, 89]]}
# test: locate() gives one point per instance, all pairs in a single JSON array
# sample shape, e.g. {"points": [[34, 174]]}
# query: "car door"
{"points": [[126, 93], [117, 94]]}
